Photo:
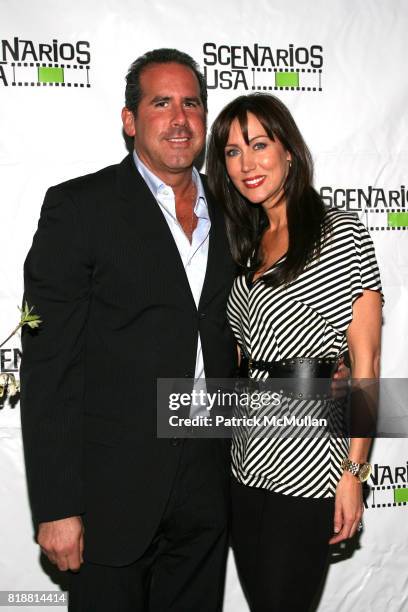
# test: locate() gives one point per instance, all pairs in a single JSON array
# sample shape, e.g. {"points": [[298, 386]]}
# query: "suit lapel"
{"points": [[146, 221], [219, 263]]}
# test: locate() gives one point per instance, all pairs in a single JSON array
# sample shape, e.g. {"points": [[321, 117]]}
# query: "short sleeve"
{"points": [[365, 273]]}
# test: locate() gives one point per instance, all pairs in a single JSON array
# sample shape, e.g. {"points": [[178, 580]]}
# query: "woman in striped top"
{"points": [[309, 290]]}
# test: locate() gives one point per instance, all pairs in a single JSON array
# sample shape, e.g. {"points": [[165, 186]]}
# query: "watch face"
{"points": [[364, 472]]}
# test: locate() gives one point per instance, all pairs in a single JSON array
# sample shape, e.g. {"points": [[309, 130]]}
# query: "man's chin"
{"points": [[180, 163]]}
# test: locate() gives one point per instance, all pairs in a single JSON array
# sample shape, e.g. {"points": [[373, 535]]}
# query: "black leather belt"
{"points": [[295, 367], [304, 374]]}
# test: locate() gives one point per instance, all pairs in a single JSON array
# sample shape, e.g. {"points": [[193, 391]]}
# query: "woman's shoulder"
{"points": [[336, 216], [339, 222]]}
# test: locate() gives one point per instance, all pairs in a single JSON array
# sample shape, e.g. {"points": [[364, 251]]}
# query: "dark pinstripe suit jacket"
{"points": [[106, 277]]}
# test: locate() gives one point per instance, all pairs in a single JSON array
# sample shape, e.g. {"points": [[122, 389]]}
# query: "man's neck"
{"points": [[181, 182]]}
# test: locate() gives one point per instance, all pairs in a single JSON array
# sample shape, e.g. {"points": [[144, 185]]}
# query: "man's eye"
{"points": [[231, 152], [190, 104], [161, 103]]}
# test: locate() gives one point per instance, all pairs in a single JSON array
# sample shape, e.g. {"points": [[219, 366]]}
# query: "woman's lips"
{"points": [[254, 181]]}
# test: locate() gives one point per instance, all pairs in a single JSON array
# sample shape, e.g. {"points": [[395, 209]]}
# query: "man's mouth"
{"points": [[254, 181], [178, 139]]}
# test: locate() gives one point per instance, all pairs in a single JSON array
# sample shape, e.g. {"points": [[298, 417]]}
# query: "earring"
{"points": [[290, 163]]}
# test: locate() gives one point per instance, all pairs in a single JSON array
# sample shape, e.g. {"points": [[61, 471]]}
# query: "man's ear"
{"points": [[128, 121]]}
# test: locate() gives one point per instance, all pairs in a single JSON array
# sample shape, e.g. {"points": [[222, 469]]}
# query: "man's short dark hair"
{"points": [[133, 92]]}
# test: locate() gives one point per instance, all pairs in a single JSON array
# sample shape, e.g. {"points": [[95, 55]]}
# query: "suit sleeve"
{"points": [[57, 283]]}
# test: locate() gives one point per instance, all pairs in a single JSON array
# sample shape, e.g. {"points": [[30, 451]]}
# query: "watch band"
{"points": [[360, 470]]}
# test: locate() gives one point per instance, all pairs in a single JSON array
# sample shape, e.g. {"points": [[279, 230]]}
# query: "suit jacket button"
{"points": [[175, 441], [203, 315]]}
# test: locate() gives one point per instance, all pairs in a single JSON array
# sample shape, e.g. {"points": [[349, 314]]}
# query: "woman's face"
{"points": [[258, 169]]}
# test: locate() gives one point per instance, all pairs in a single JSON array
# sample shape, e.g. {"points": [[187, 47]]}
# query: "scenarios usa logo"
{"points": [[259, 67], [29, 63], [10, 359], [388, 486], [380, 209]]}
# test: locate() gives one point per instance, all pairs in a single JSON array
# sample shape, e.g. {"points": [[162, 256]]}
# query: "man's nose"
{"points": [[179, 115]]}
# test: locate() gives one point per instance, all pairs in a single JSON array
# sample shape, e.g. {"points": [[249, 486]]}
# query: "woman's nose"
{"points": [[247, 161]]}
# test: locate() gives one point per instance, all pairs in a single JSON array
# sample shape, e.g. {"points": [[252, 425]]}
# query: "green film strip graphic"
{"points": [[50, 75], [34, 74], [398, 219], [401, 495], [386, 219], [388, 496], [287, 79], [299, 79]]}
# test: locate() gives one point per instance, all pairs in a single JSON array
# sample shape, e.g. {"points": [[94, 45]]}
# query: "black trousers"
{"points": [[281, 547], [183, 569]]}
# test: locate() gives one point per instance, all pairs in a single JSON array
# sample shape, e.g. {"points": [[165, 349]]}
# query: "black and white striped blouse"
{"points": [[306, 318]]}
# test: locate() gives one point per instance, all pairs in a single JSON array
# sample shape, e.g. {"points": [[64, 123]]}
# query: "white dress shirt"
{"points": [[194, 255]]}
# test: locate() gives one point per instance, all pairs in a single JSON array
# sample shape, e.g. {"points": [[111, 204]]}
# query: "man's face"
{"points": [[169, 127]]}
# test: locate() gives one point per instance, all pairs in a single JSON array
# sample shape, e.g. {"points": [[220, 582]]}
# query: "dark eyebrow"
{"points": [[160, 99], [231, 144], [259, 136], [194, 99]]}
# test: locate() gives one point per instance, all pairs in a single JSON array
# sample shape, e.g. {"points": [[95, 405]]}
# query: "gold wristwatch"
{"points": [[360, 470]]}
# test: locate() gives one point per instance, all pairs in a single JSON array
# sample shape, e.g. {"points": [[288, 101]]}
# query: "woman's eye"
{"points": [[231, 153], [259, 146]]}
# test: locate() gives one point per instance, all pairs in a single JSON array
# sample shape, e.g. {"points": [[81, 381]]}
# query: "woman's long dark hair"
{"points": [[247, 222]]}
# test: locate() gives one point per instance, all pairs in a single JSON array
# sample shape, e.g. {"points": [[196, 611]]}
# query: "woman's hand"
{"points": [[348, 508], [364, 342]]}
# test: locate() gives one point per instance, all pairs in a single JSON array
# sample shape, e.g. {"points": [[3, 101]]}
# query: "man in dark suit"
{"points": [[130, 272]]}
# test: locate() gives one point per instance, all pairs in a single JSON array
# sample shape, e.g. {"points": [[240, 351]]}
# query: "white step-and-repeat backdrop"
{"points": [[340, 66]]}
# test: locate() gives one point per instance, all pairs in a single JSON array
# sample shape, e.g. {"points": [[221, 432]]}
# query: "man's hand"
{"points": [[342, 372], [340, 380], [348, 508], [63, 542]]}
